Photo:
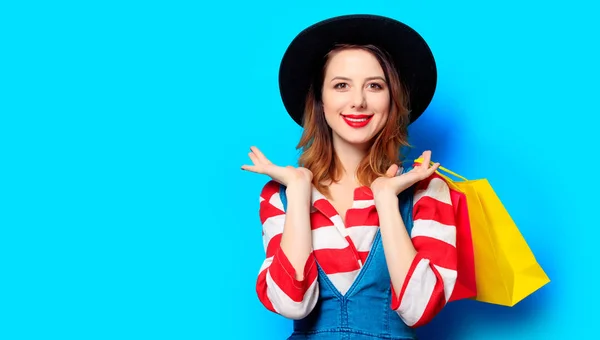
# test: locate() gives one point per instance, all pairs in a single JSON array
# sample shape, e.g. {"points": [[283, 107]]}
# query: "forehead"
{"points": [[354, 61]]}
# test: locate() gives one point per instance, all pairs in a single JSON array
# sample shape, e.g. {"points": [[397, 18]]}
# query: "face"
{"points": [[356, 99]]}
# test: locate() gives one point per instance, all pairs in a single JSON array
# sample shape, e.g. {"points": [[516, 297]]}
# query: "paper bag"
{"points": [[506, 270]]}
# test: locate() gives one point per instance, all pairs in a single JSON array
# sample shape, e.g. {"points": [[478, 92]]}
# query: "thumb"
{"points": [[391, 171]]}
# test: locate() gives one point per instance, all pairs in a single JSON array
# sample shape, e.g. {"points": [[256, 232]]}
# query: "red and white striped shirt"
{"points": [[341, 249]]}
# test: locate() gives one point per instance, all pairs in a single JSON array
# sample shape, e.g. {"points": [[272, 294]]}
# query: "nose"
{"points": [[359, 101]]}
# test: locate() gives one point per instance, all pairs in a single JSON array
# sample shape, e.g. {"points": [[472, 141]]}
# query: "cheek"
{"points": [[379, 103], [333, 104], [381, 121], [382, 103]]}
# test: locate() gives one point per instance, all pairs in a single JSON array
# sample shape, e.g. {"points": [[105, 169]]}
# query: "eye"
{"points": [[340, 85], [376, 86]]}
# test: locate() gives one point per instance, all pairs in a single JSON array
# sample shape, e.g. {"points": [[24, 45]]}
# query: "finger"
{"points": [[426, 159], [391, 171], [260, 155], [433, 168], [254, 158], [250, 168]]}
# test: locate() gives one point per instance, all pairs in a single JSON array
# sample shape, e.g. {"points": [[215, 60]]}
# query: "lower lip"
{"points": [[357, 123]]}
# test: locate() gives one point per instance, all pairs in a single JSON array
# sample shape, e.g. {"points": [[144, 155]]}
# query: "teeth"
{"points": [[357, 120]]}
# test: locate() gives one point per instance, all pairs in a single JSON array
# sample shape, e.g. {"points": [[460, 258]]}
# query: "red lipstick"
{"points": [[357, 121]]}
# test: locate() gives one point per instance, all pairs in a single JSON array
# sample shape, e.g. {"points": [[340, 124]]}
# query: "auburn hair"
{"points": [[316, 145]]}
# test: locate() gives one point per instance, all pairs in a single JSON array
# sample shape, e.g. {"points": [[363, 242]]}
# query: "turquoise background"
{"points": [[124, 212]]}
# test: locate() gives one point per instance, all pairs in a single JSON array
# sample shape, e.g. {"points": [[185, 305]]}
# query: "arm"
{"points": [[287, 282], [423, 265]]}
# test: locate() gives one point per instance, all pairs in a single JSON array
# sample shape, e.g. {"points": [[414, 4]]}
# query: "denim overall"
{"points": [[364, 312]]}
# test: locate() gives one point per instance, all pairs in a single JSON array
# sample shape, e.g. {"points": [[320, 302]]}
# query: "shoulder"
{"points": [[269, 189], [433, 187], [270, 202], [269, 195]]}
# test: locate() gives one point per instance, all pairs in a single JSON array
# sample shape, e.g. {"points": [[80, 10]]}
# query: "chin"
{"points": [[360, 140], [357, 138]]}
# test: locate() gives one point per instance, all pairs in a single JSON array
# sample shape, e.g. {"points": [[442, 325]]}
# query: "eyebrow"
{"points": [[348, 79]]}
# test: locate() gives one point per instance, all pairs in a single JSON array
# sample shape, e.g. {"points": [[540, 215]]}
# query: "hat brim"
{"points": [[410, 55]]}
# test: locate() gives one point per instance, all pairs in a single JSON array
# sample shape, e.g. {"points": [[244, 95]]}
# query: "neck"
{"points": [[350, 156]]}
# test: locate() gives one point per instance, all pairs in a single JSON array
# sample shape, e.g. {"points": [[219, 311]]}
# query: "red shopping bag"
{"points": [[466, 286]]}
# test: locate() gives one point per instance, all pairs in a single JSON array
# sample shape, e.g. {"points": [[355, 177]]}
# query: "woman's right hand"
{"points": [[287, 176]]}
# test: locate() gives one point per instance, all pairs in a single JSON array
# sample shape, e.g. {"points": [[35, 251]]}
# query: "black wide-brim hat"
{"points": [[409, 52]]}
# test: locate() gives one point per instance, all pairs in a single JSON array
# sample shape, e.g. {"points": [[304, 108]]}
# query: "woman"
{"points": [[357, 245]]}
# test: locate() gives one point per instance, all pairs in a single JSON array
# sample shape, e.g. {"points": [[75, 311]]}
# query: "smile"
{"points": [[357, 121]]}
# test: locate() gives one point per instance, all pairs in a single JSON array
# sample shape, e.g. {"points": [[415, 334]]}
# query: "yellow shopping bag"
{"points": [[506, 270]]}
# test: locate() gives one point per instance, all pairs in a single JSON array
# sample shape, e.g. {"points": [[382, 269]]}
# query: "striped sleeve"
{"points": [[277, 287], [432, 274]]}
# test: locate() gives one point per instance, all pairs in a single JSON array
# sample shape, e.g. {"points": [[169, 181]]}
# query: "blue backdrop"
{"points": [[125, 214]]}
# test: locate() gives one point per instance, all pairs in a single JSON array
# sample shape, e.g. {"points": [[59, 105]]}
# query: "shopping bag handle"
{"points": [[420, 160]]}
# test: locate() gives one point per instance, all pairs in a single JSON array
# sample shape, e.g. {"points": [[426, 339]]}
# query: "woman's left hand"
{"points": [[394, 185]]}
